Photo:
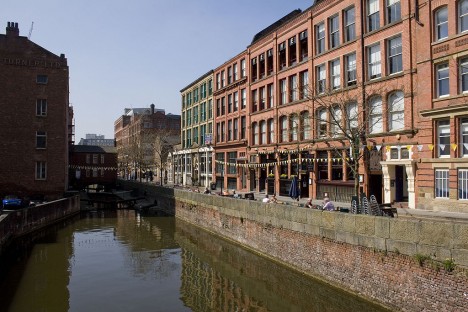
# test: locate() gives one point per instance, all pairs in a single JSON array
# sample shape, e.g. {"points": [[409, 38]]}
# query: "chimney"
{"points": [[12, 29], [152, 109]]}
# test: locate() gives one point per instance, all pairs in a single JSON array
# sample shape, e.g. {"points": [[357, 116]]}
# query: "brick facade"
{"points": [[35, 118]]}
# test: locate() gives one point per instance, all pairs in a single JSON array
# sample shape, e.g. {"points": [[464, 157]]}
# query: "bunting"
{"points": [[91, 167]]}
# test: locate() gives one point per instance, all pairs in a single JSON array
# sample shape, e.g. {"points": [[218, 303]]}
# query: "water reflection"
{"points": [[122, 261]]}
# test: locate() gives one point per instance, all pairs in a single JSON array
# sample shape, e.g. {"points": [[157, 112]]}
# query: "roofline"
{"points": [[210, 72]]}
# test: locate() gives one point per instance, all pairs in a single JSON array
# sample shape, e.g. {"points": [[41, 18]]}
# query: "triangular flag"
{"points": [[378, 147], [442, 146], [454, 146], [388, 148], [369, 147], [431, 147], [420, 147], [408, 147]]}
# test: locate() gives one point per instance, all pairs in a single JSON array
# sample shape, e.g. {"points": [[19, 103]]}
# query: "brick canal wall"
{"points": [[375, 257]]}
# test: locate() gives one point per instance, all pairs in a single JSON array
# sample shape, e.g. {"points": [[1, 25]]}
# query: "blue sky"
{"points": [[134, 53]]}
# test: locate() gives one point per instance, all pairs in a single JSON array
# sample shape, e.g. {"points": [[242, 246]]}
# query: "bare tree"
{"points": [[159, 142], [345, 119]]}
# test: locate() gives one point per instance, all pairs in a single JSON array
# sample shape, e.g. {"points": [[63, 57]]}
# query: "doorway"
{"points": [[375, 186]]}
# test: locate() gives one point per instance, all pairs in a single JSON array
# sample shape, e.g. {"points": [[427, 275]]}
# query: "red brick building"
{"points": [[379, 83], [93, 165], [35, 119]]}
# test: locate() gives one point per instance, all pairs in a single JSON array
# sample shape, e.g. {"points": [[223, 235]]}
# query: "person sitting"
{"points": [[273, 199], [234, 194], [266, 199], [328, 205], [309, 203], [207, 191]]}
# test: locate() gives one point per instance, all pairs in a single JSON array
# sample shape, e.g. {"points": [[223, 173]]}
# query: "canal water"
{"points": [[123, 261]]}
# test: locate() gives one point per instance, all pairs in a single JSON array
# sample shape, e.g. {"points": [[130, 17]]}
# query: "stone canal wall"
{"points": [[24, 221], [389, 260]]}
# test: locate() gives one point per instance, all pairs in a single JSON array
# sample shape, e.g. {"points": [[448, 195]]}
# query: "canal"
{"points": [[123, 261]]}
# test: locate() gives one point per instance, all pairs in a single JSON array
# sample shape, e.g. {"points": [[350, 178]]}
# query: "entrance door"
{"points": [[262, 180], [399, 170], [252, 181], [375, 186]]}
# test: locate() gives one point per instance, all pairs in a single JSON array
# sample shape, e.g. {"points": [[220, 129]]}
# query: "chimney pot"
{"points": [[12, 29]]}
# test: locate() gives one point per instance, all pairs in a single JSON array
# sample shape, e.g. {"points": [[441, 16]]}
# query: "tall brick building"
{"points": [[397, 71], [36, 118]]}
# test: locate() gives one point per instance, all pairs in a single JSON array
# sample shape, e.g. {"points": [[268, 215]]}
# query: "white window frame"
{"points": [[396, 111], [41, 135], [41, 170], [464, 137], [375, 115], [441, 183], [395, 54], [351, 69], [334, 29], [350, 24], [321, 78], [373, 15], [443, 82], [305, 120], [374, 59], [352, 116], [284, 128], [305, 84], [443, 138], [462, 184], [320, 37], [271, 130], [283, 91], [462, 16], [335, 74], [293, 88], [393, 6], [41, 107], [441, 23], [322, 120], [463, 74]]}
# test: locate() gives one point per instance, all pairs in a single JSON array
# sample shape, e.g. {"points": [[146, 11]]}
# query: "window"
{"points": [[242, 65], [95, 159], [351, 69], [336, 122], [236, 128], [352, 116], [236, 101], [304, 84], [269, 64], [393, 11], [102, 159], [223, 78], [396, 108], [443, 138], [42, 79], [322, 123], [255, 133], [292, 51], [270, 95], [305, 121], [294, 126], [229, 77], [441, 24], [234, 69], [321, 79], [395, 61], [303, 45], [41, 107], [243, 98], [210, 87], [230, 136], [293, 88], [223, 105], [463, 184], [373, 17], [263, 132], [230, 103], [334, 28], [262, 98], [284, 128], [218, 81], [463, 75], [41, 139], [282, 55], [349, 20], [254, 100], [284, 98], [464, 137], [375, 115], [210, 109], [41, 170], [442, 183], [335, 77], [253, 69], [243, 127], [262, 68], [320, 33], [462, 16], [374, 61], [271, 130], [442, 80]]}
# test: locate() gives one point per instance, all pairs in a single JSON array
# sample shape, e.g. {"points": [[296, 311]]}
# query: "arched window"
{"points": [[263, 129], [295, 127], [396, 111], [322, 123], [375, 115], [441, 23], [255, 133], [305, 122], [284, 128], [271, 130]]}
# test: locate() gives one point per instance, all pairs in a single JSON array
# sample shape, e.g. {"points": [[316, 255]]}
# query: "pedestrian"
{"points": [[266, 199], [309, 203], [274, 199], [207, 191], [234, 194], [328, 205]]}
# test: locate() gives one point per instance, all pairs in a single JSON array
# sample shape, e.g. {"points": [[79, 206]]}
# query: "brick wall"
{"points": [[371, 256]]}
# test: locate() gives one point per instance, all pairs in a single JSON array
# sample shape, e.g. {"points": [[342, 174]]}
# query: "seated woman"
{"points": [[273, 199], [328, 205], [309, 203]]}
